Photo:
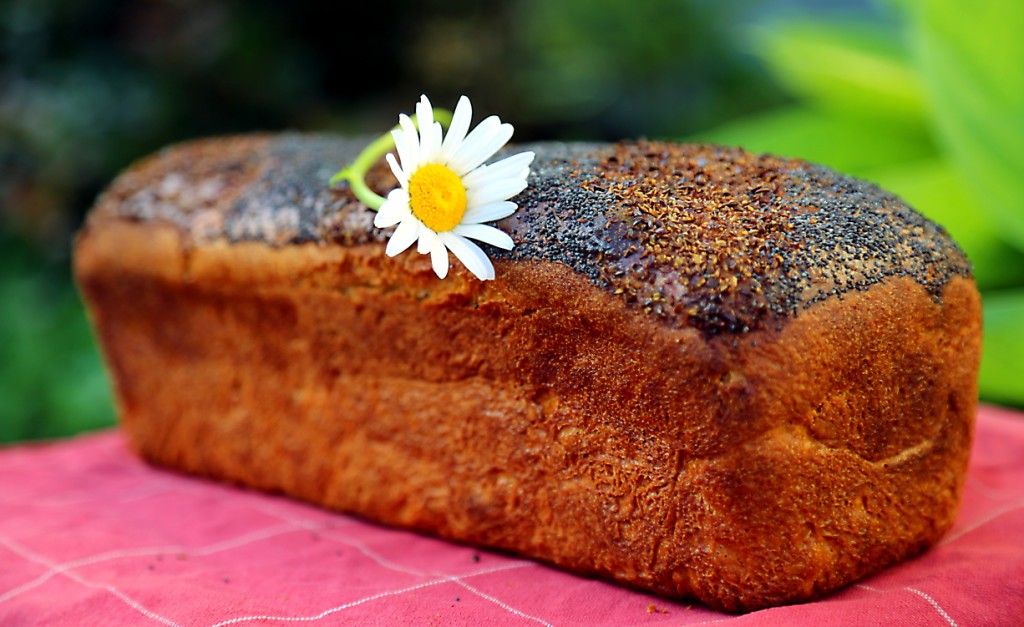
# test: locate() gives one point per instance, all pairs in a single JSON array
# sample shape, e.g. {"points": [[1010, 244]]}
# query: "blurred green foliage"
{"points": [[930, 105], [52, 380]]}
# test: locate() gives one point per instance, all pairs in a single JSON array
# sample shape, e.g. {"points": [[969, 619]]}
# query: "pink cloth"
{"points": [[91, 535]]}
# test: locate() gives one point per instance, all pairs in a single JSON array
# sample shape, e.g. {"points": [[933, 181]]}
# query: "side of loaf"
{"points": [[734, 408]]}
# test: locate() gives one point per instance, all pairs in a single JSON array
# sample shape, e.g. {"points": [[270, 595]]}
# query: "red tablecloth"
{"points": [[91, 535]]}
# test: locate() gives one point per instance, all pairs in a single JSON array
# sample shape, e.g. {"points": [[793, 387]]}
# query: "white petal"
{"points": [[470, 255], [457, 131], [486, 234], [475, 153], [394, 210], [435, 142], [516, 166], [438, 252], [487, 180], [412, 145], [396, 169], [407, 150], [430, 131], [403, 237], [501, 190], [424, 112], [482, 135], [488, 213], [423, 246]]}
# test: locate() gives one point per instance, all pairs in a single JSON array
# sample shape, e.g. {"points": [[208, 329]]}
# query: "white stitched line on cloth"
{"points": [[374, 597], [710, 622], [85, 497], [332, 518], [32, 557], [56, 569], [356, 544], [150, 490], [382, 561], [989, 492], [984, 521], [145, 487], [938, 608], [500, 603], [367, 551], [326, 532], [70, 497], [124, 597], [926, 597]]}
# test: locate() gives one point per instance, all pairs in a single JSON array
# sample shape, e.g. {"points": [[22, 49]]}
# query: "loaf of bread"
{"points": [[737, 378]]}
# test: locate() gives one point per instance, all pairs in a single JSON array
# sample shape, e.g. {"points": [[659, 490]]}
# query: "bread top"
{"points": [[708, 237]]}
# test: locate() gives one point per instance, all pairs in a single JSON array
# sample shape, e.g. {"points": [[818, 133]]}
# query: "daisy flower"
{"points": [[447, 193]]}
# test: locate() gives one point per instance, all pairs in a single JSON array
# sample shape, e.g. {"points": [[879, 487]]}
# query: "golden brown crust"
{"points": [[727, 241], [546, 416]]}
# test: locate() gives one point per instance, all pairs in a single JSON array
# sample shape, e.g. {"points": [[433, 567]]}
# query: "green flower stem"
{"points": [[355, 173]]}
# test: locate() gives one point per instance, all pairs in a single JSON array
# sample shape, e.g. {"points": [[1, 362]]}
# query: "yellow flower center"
{"points": [[437, 197]]}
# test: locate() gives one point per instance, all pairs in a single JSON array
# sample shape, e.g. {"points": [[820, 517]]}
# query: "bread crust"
{"points": [[543, 412]]}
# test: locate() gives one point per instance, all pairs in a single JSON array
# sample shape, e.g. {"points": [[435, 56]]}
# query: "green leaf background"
{"points": [[930, 107]]}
